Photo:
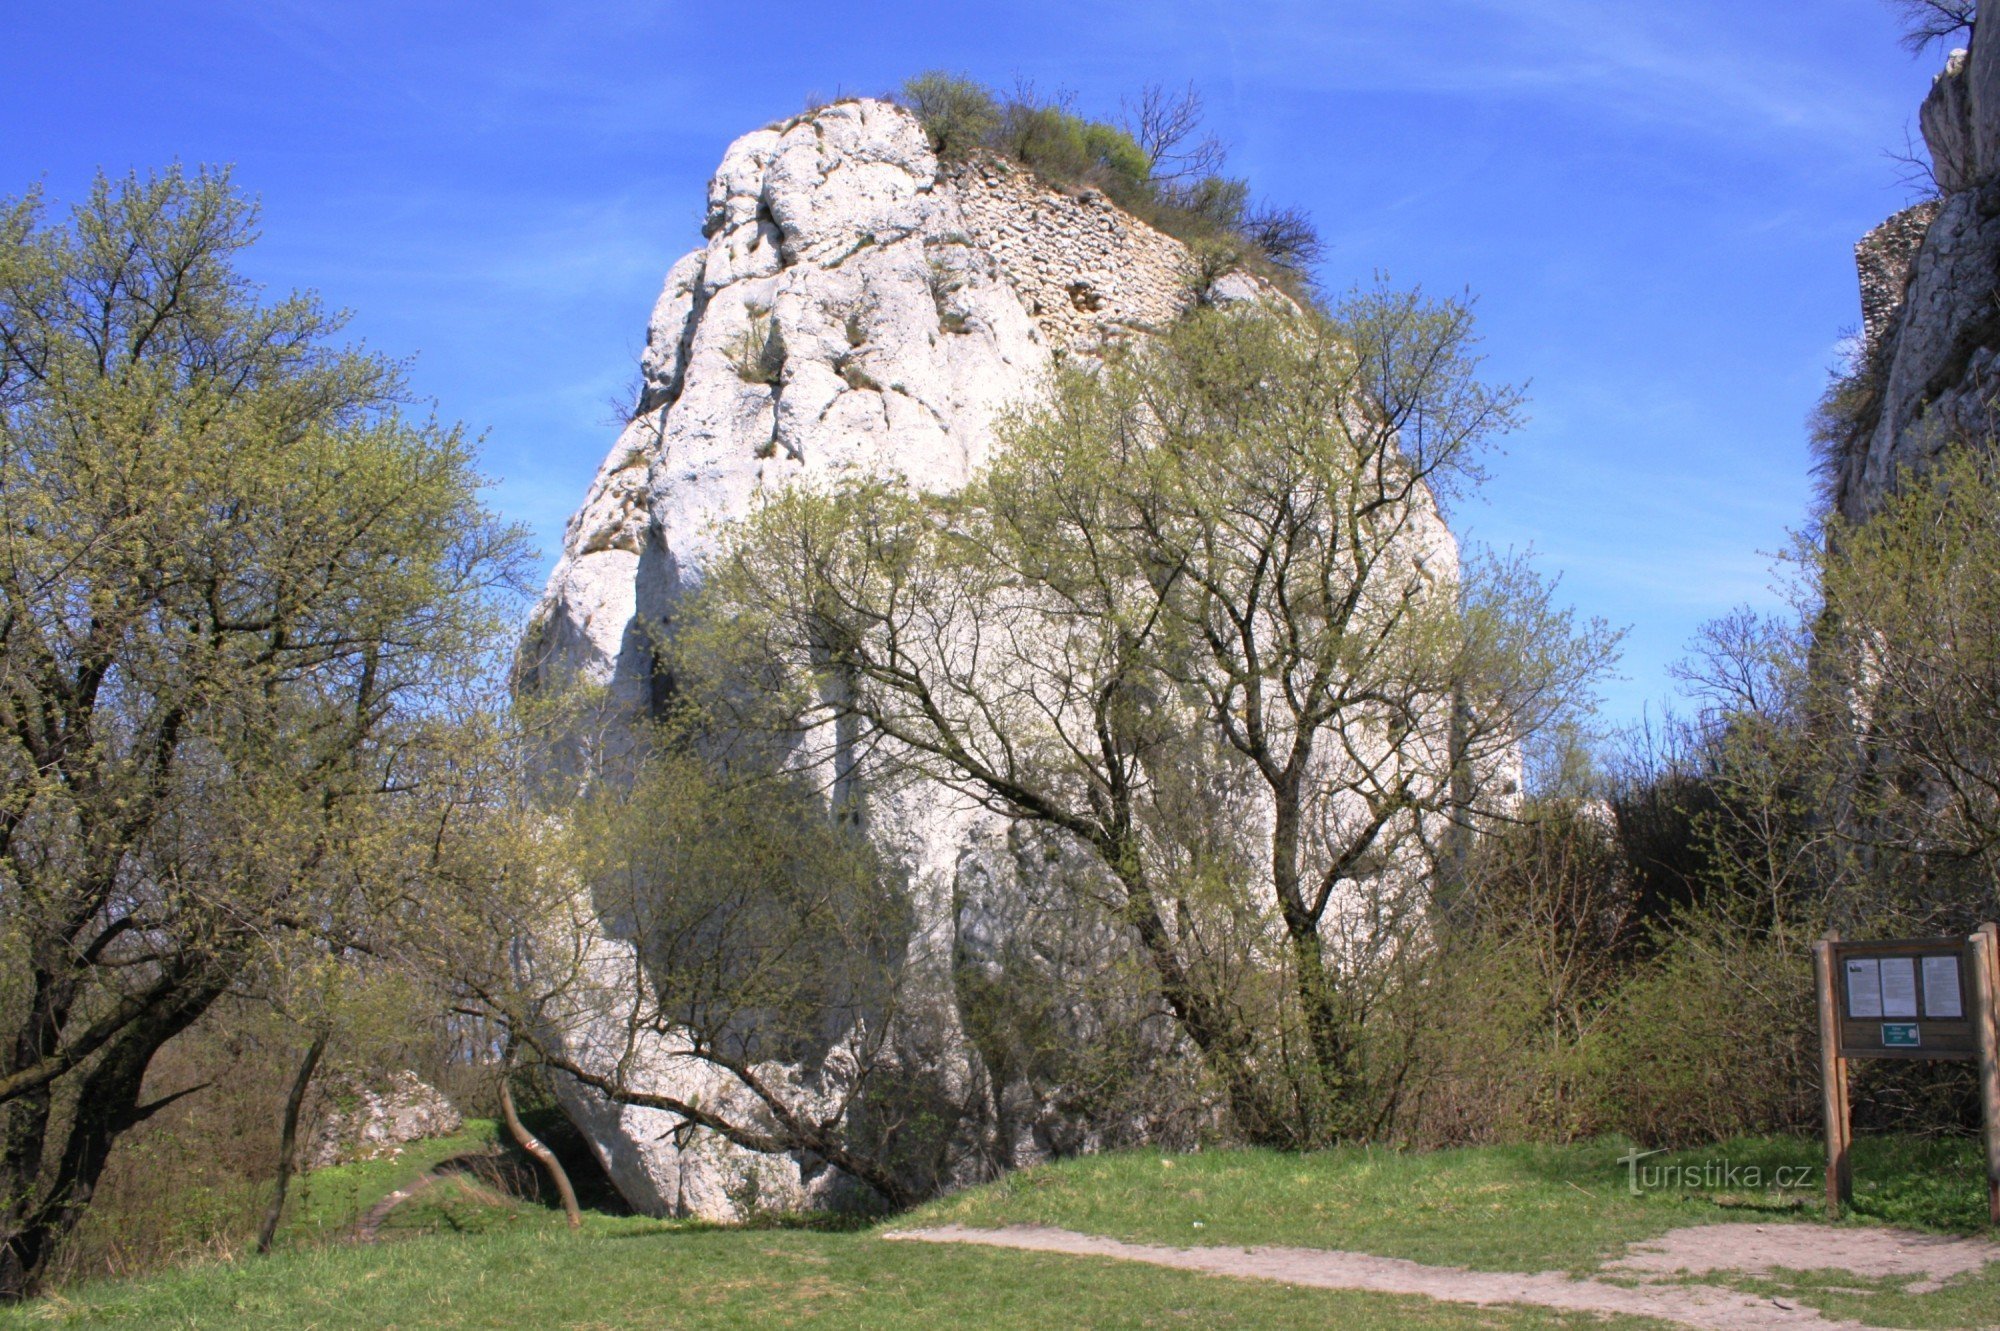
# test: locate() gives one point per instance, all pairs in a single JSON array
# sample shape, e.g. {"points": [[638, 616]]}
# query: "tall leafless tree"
{"points": [[1927, 21], [1167, 127]]}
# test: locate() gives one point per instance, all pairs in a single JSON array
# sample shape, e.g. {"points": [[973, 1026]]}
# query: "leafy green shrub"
{"points": [[1539, 928], [957, 113], [1217, 200], [1068, 148], [1842, 420], [1121, 159], [1486, 1062], [1209, 260], [1715, 1038]]}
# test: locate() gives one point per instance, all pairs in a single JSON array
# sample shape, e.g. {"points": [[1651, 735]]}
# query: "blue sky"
{"points": [[1653, 201]]}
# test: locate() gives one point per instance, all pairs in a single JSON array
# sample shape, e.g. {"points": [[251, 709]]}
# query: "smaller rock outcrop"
{"points": [[1961, 119], [1946, 121], [365, 1123]]}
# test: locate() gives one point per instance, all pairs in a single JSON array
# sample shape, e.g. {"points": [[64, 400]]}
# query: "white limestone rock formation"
{"points": [[1931, 295], [855, 309], [367, 1122], [660, 1165]]}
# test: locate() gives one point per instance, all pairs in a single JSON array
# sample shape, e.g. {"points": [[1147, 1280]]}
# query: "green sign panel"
{"points": [[1900, 1035]]}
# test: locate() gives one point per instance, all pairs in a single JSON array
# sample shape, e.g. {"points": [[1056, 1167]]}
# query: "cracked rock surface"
{"points": [[1931, 295], [855, 309]]}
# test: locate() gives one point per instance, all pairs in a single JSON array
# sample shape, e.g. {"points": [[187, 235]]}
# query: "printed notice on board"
{"points": [[1899, 986], [1941, 996], [1864, 987]]}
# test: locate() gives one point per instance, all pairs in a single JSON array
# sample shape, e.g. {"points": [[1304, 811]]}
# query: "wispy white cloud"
{"points": [[1699, 67]]}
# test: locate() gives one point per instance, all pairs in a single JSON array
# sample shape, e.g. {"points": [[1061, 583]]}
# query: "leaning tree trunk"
{"points": [[288, 1142], [535, 1147]]}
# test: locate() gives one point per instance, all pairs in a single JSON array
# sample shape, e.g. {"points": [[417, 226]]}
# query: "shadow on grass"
{"points": [[1928, 1183]]}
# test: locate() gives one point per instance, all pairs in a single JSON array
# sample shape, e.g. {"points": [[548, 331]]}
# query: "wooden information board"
{"points": [[1906, 999], [1935, 998]]}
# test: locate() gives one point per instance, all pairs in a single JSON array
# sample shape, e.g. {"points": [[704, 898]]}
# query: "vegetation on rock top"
{"points": [[1156, 163]]}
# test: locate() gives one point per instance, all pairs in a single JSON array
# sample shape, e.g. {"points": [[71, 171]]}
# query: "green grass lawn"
{"points": [[462, 1255], [327, 1202], [1508, 1208], [619, 1273]]}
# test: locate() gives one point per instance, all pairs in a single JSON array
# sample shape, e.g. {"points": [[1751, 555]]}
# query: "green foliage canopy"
{"points": [[240, 590], [1202, 591]]}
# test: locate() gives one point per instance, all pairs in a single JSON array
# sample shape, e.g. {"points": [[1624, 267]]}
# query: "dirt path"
{"points": [[1689, 1305], [369, 1226], [1760, 1249]]}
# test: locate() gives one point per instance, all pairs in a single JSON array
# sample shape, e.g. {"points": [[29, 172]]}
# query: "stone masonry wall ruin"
{"points": [[1884, 260], [1085, 269]]}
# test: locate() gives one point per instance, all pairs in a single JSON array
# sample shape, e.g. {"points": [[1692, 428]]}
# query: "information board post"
{"points": [[1986, 1010], [1928, 998], [1832, 1077]]}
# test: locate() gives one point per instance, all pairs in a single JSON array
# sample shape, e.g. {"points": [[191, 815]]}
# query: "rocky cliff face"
{"points": [[1930, 280], [856, 308]]}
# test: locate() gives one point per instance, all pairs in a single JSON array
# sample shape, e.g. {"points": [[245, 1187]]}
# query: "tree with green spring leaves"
{"points": [[1199, 618], [1907, 693], [242, 591]]}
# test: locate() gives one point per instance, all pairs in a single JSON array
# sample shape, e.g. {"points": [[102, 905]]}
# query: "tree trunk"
{"points": [[25, 1126], [1226, 1047], [288, 1142], [107, 1107], [1326, 1079], [1326, 1037], [533, 1145]]}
